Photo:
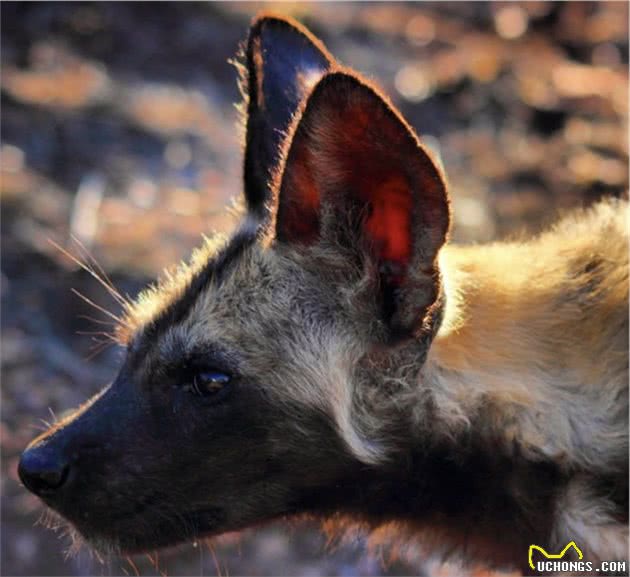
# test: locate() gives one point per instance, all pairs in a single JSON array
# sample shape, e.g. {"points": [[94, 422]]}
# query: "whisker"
{"points": [[156, 563], [98, 349], [52, 414], [101, 273], [107, 335], [99, 308], [99, 344], [112, 291], [97, 321], [99, 558], [39, 428], [133, 566], [42, 519], [217, 566]]}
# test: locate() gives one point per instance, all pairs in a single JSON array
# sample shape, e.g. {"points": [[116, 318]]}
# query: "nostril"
{"points": [[52, 479], [42, 471]]}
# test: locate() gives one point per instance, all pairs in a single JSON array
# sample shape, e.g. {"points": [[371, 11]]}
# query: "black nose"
{"points": [[42, 470]]}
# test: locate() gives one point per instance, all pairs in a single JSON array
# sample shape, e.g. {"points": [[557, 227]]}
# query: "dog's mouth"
{"points": [[145, 527], [167, 532]]}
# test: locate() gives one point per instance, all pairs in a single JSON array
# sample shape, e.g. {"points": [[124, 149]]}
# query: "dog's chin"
{"points": [[146, 533]]}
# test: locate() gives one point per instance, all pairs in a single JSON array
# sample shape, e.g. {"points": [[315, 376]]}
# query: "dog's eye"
{"points": [[208, 383]]}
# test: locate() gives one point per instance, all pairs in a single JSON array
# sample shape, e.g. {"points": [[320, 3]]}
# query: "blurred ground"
{"points": [[118, 127]]}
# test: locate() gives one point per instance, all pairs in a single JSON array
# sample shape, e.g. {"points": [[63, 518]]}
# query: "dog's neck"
{"points": [[489, 369]]}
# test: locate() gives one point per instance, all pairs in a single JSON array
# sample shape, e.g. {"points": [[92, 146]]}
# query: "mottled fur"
{"points": [[473, 397]]}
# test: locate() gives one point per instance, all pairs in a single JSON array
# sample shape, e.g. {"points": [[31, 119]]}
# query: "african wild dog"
{"points": [[335, 358]]}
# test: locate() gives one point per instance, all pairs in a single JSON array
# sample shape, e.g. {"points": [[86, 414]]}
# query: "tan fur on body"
{"points": [[535, 340], [537, 332]]}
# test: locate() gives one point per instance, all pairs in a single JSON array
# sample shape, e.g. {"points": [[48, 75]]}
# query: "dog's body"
{"points": [[334, 359], [532, 358]]}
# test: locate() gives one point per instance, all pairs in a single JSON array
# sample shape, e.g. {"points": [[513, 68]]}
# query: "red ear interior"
{"points": [[389, 223], [351, 150]]}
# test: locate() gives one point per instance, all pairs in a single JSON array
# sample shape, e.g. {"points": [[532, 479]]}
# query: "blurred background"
{"points": [[119, 130]]}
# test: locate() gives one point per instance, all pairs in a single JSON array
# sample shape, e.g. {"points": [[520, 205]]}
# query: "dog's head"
{"points": [[253, 379]]}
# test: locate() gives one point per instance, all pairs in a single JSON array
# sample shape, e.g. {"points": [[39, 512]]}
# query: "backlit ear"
{"points": [[284, 62], [351, 153]]}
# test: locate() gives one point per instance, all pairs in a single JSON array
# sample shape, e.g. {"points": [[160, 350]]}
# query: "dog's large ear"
{"points": [[284, 61], [353, 161]]}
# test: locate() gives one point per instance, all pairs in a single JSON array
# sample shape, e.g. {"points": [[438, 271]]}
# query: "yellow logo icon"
{"points": [[549, 556]]}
